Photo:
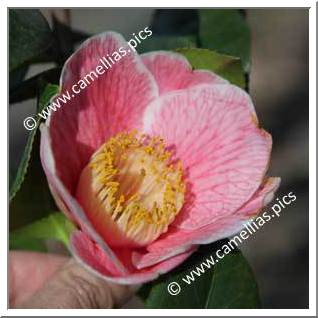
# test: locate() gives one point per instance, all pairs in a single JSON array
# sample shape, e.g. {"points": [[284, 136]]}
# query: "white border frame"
{"points": [[164, 312]]}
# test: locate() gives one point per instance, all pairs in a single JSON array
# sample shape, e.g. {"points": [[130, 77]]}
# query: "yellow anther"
{"points": [[137, 185]]}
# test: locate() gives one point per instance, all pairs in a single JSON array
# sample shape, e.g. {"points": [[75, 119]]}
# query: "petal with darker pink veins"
{"points": [[213, 131], [177, 241], [113, 101], [172, 72], [91, 256], [67, 203]]}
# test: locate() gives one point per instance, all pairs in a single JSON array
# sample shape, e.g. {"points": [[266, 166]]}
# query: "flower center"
{"points": [[132, 189]]}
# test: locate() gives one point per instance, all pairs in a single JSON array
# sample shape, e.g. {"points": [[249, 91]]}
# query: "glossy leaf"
{"points": [[33, 236], [229, 283], [225, 31], [29, 36], [48, 93], [226, 66], [33, 199]]}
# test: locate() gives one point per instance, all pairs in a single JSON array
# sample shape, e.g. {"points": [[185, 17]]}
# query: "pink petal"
{"points": [[172, 71], [92, 257], [263, 196], [113, 102], [176, 240], [66, 202], [116, 267], [212, 129]]}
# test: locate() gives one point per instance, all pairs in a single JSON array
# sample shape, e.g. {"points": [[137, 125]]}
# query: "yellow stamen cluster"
{"points": [[137, 185]]}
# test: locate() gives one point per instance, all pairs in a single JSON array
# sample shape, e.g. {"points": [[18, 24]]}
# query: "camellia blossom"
{"points": [[152, 160]]}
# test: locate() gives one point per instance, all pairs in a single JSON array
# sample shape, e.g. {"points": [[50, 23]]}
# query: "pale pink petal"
{"points": [[212, 130], [263, 196], [113, 102], [92, 257], [176, 240], [172, 71]]}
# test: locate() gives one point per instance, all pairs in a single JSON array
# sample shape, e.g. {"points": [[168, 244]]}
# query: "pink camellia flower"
{"points": [[151, 160]]}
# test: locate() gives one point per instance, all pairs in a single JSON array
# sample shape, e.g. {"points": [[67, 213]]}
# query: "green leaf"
{"points": [[33, 201], [226, 66], [23, 166], [48, 93], [30, 197], [229, 283], [155, 43], [29, 36], [225, 31], [33, 236]]}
